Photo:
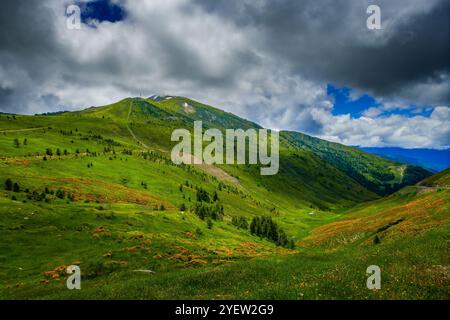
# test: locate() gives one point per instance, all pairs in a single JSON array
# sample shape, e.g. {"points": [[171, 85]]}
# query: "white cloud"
{"points": [[393, 130], [179, 48]]}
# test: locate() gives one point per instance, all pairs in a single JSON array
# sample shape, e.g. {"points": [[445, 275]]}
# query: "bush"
{"points": [[60, 194], [16, 187], [8, 184]]}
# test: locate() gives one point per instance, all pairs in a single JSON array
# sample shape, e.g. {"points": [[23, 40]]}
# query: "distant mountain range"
{"points": [[431, 159]]}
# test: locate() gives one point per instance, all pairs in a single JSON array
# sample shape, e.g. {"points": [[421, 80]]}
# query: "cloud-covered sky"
{"points": [[311, 65]]}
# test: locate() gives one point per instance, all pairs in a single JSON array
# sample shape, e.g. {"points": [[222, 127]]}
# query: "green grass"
{"points": [[112, 226]]}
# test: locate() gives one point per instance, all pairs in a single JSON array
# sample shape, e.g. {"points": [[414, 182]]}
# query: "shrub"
{"points": [[8, 184], [60, 194]]}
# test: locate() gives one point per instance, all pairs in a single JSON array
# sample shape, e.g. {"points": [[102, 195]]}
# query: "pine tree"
{"points": [[376, 240]]}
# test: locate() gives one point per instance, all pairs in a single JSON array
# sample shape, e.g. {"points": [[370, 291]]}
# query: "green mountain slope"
{"points": [[377, 174], [309, 180], [97, 188]]}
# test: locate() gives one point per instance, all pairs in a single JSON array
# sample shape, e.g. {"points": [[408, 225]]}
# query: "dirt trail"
{"points": [[22, 130]]}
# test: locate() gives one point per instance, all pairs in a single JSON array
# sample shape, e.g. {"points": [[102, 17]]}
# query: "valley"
{"points": [[97, 188]]}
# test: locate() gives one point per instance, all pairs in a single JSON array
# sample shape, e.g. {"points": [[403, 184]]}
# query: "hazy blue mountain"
{"points": [[432, 159]]}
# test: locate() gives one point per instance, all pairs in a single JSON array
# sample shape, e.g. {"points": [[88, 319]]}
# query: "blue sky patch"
{"points": [[344, 104], [101, 10]]}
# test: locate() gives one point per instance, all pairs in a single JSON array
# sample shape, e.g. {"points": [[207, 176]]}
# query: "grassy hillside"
{"points": [[97, 188], [329, 264], [377, 174]]}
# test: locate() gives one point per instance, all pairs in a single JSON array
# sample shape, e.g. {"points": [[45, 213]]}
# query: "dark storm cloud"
{"points": [[328, 41], [269, 61], [29, 53]]}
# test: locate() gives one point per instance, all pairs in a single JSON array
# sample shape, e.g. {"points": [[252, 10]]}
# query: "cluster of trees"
{"points": [[240, 222], [127, 152], [60, 194], [265, 227], [11, 186], [15, 187], [207, 206], [17, 142], [204, 196], [153, 156], [209, 211], [66, 132]]}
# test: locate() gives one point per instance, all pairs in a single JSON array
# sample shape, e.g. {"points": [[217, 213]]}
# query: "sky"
{"points": [[311, 66]]}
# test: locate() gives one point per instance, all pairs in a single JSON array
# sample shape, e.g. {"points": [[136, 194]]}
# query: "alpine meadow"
{"points": [[96, 188], [224, 159]]}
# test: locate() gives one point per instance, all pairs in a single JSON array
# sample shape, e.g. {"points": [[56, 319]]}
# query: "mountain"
{"points": [[96, 188], [377, 174], [380, 175], [431, 159]]}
